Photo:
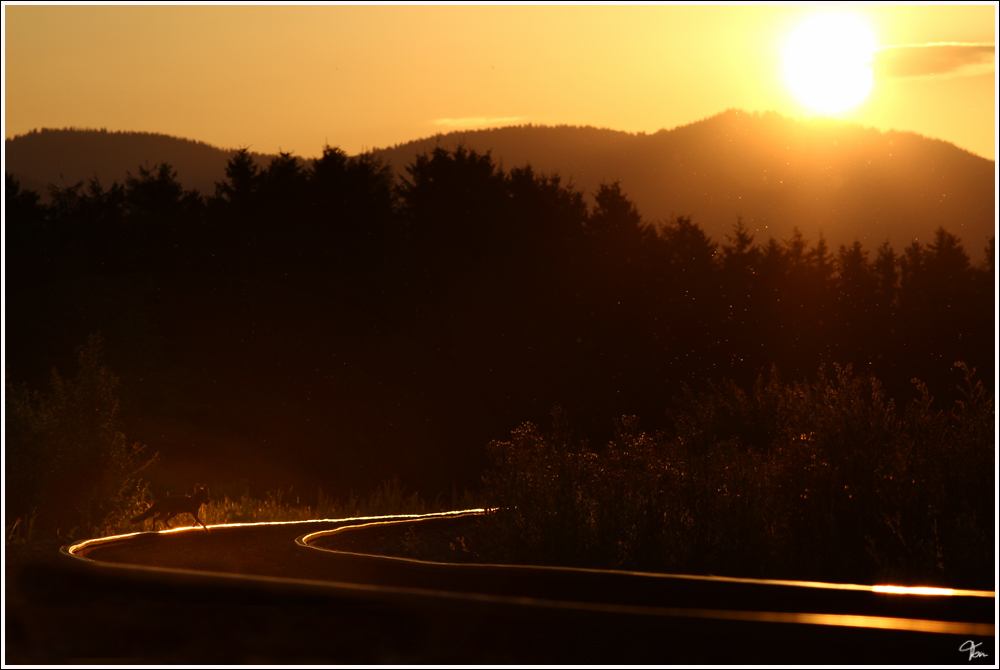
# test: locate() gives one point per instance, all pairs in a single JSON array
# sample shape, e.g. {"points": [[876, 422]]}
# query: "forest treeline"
{"points": [[515, 278], [530, 297]]}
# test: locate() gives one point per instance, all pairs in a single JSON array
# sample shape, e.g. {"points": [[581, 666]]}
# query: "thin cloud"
{"points": [[478, 121], [934, 59]]}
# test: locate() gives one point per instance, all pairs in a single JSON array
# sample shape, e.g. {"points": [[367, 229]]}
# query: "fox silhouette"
{"points": [[165, 509]]}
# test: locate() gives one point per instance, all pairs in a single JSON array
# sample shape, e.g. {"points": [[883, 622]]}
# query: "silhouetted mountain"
{"points": [[66, 156], [839, 179], [777, 173]]}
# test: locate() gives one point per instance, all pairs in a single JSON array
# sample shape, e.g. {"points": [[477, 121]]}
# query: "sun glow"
{"points": [[828, 62]]}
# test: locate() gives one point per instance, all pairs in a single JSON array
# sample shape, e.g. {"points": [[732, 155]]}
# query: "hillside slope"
{"points": [[66, 156], [777, 173], [837, 179]]}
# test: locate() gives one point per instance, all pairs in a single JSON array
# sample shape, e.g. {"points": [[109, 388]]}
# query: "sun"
{"points": [[827, 62]]}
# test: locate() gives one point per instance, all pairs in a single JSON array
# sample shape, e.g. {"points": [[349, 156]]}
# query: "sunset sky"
{"points": [[365, 77]]}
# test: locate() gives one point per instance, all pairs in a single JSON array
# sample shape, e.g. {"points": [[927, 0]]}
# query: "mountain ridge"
{"points": [[733, 165], [837, 179], [66, 156]]}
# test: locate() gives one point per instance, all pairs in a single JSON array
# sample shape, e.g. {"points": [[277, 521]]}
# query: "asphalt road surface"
{"points": [[297, 593]]}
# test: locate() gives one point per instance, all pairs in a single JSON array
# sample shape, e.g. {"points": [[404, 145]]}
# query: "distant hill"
{"points": [[67, 156], [777, 173]]}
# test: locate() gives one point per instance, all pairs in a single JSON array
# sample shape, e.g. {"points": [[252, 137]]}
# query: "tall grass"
{"points": [[828, 480], [390, 498]]}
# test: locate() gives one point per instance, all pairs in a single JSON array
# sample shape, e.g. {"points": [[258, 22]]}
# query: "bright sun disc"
{"points": [[827, 62]]}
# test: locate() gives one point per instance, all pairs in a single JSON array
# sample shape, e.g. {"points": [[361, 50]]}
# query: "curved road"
{"points": [[295, 593]]}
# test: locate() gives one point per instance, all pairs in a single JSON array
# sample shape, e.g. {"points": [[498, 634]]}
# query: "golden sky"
{"points": [[364, 77]]}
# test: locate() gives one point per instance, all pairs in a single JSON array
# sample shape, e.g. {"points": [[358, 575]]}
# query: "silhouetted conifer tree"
{"points": [[853, 323], [741, 290], [615, 219], [242, 183], [26, 236], [153, 193], [24, 217], [165, 222], [453, 205], [693, 297], [353, 201], [284, 185]]}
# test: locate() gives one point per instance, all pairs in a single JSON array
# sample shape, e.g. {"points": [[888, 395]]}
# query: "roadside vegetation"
{"points": [[69, 469], [389, 499], [72, 474], [826, 480]]}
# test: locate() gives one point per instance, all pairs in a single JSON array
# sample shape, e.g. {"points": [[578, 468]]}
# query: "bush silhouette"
{"points": [[70, 469], [826, 480]]}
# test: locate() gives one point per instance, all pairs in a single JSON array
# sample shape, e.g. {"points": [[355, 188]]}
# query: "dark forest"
{"points": [[327, 324]]}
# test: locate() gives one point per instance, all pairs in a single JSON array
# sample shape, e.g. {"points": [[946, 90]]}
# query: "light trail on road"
{"points": [[305, 555]]}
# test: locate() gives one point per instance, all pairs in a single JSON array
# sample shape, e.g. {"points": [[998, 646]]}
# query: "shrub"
{"points": [[69, 468], [828, 480]]}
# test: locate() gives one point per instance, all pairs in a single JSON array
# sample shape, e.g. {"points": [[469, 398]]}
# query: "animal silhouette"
{"points": [[165, 509]]}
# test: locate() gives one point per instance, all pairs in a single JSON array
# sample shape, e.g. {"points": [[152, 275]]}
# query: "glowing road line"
{"points": [[352, 522], [844, 620], [73, 548], [307, 539], [932, 591]]}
